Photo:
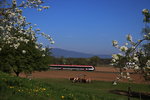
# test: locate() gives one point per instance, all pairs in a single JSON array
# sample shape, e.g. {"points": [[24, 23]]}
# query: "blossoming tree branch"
{"points": [[134, 55], [19, 48]]}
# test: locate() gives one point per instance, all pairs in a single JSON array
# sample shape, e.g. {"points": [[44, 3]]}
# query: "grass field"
{"points": [[15, 88], [98, 90]]}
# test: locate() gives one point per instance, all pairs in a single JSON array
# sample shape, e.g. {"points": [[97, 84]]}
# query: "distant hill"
{"points": [[57, 52]]}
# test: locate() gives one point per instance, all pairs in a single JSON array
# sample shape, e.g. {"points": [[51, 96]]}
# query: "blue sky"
{"points": [[89, 26]]}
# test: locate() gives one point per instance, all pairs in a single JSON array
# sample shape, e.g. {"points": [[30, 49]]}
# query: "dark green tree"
{"points": [[94, 61], [19, 50], [26, 58]]}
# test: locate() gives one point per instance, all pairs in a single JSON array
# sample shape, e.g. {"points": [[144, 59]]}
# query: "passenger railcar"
{"points": [[72, 67]]}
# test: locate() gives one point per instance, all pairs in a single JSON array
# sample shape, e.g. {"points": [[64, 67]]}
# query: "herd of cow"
{"points": [[80, 79]]}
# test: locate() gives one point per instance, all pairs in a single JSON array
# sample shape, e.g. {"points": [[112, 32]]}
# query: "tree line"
{"points": [[94, 61]]}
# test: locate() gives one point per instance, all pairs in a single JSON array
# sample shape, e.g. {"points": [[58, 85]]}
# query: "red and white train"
{"points": [[72, 67]]}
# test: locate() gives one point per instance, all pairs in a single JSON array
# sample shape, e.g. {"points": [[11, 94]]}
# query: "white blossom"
{"points": [[136, 67], [123, 48], [128, 77], [145, 11], [115, 43], [148, 63], [43, 55], [128, 73], [120, 54], [52, 42], [23, 51], [117, 78], [148, 74], [126, 44], [36, 47], [14, 2], [16, 45], [115, 56], [146, 36], [114, 83], [129, 37], [39, 1], [124, 76], [136, 59], [39, 9], [113, 60], [43, 49], [1, 28]]}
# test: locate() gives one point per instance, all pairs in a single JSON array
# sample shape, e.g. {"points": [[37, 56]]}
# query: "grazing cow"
{"points": [[72, 78], [75, 80], [88, 80]]}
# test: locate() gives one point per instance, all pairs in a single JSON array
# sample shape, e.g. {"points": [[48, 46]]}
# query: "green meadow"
{"points": [[16, 88]]}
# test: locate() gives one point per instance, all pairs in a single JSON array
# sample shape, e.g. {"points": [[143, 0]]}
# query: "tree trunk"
{"points": [[17, 73]]}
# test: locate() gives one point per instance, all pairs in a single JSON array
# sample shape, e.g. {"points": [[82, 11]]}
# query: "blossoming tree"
{"points": [[19, 49], [133, 55]]}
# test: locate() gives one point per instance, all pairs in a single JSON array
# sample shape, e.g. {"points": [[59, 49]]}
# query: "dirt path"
{"points": [[101, 73]]}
